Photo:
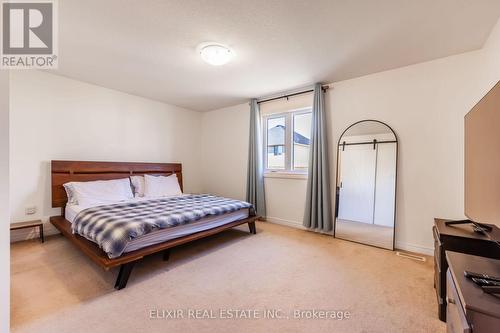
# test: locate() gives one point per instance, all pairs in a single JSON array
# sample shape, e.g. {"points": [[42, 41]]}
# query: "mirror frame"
{"points": [[395, 186]]}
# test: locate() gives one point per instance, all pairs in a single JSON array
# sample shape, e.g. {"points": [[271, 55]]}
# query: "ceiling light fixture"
{"points": [[215, 54]]}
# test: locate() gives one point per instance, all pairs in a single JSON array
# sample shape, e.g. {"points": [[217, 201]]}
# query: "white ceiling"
{"points": [[148, 47]]}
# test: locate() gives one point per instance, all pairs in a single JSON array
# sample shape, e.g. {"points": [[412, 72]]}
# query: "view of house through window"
{"points": [[301, 140], [287, 138], [276, 143]]}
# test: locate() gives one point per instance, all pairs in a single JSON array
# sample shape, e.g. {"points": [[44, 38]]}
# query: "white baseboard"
{"points": [[399, 245], [294, 224], [415, 248], [32, 233], [49, 229], [288, 223]]}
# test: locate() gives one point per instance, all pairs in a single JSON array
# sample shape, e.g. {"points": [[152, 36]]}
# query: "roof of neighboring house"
{"points": [[276, 137]]}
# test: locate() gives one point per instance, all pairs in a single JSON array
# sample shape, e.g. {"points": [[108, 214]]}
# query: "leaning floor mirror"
{"points": [[365, 207]]}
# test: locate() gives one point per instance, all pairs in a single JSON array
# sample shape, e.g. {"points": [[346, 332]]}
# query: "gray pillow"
{"points": [[70, 192]]}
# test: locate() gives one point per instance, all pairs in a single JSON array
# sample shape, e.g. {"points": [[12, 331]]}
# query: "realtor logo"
{"points": [[29, 34]]}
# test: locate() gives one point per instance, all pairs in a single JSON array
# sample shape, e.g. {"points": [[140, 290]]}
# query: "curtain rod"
{"points": [[325, 88]]}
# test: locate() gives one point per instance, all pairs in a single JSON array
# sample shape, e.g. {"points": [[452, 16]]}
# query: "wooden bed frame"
{"points": [[67, 171]]}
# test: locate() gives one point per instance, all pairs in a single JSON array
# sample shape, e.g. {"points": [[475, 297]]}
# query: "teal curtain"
{"points": [[318, 212], [255, 176]]}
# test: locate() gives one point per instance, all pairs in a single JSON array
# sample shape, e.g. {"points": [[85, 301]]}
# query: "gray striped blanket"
{"points": [[113, 226]]}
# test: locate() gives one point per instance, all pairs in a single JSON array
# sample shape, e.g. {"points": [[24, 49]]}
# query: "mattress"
{"points": [[163, 235]]}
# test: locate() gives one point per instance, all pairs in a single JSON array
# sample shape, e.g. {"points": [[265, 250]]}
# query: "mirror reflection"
{"points": [[366, 184]]}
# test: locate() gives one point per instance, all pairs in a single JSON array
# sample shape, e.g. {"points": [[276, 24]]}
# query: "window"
{"points": [[287, 137]]}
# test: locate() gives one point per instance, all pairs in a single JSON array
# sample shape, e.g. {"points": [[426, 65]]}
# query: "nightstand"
{"points": [[29, 224]]}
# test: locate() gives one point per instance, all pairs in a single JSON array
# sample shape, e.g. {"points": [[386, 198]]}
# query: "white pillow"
{"points": [[102, 191], [160, 186], [138, 185]]}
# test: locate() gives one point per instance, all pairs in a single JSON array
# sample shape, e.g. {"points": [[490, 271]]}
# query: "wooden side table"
{"points": [[29, 224]]}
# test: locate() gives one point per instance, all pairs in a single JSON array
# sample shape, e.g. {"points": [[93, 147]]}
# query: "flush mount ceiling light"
{"points": [[215, 54]]}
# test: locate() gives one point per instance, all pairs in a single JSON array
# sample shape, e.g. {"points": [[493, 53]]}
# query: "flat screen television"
{"points": [[482, 159]]}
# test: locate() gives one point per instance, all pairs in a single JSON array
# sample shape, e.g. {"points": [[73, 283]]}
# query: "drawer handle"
{"points": [[450, 301]]}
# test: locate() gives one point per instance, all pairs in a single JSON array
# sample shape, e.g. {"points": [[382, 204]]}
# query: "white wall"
{"points": [[53, 117], [424, 103], [224, 165], [224, 147], [4, 203]]}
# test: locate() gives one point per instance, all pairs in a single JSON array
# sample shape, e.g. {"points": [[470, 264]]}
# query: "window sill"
{"points": [[285, 175]]}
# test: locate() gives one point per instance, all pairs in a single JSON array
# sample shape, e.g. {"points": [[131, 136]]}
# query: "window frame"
{"points": [[289, 144]]}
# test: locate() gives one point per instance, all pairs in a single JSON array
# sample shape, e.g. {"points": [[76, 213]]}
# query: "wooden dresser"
{"points": [[457, 238], [469, 308]]}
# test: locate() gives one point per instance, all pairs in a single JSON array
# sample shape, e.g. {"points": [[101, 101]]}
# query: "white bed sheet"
{"points": [[163, 235]]}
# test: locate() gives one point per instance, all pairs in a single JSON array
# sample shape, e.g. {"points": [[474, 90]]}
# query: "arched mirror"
{"points": [[366, 184]]}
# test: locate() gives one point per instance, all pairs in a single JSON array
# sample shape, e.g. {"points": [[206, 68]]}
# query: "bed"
{"points": [[161, 240]]}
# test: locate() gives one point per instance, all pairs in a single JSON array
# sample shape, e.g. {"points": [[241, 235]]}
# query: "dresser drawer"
{"points": [[456, 322]]}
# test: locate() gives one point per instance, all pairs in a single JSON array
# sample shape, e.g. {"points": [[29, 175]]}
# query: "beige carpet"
{"points": [[365, 233], [56, 289]]}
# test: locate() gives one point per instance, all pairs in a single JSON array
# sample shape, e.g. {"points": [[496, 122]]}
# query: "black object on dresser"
{"points": [[462, 239], [469, 308]]}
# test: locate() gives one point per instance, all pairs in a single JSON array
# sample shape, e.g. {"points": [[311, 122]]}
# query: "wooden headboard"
{"points": [[84, 171]]}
